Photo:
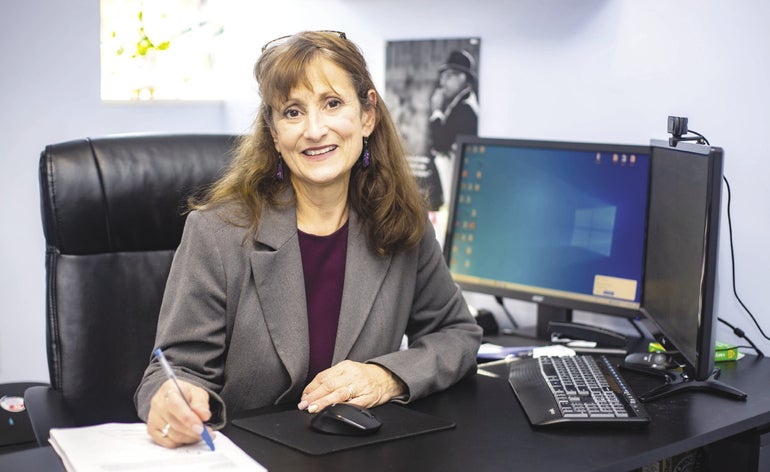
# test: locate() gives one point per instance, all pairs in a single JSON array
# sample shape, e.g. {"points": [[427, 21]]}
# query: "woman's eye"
{"points": [[334, 103], [291, 113]]}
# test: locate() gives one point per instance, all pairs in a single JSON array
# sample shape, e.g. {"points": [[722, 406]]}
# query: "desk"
{"points": [[493, 433]]}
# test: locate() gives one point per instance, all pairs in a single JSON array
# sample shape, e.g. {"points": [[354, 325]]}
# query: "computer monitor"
{"points": [[681, 262], [560, 224]]}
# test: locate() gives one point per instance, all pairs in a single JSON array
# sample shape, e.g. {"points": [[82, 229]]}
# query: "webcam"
{"points": [[677, 128]]}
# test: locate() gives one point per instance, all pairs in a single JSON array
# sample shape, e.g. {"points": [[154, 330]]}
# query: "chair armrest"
{"points": [[47, 409]]}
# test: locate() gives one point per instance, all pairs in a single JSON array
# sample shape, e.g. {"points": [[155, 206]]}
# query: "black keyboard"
{"points": [[576, 389]]}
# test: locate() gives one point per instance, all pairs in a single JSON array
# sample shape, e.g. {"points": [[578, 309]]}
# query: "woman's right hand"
{"points": [[170, 422]]}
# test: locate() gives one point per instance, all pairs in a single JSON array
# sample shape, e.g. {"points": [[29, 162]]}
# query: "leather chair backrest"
{"points": [[112, 211]]}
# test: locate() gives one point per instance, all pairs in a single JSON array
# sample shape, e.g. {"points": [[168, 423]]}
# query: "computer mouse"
{"points": [[345, 419], [655, 360]]}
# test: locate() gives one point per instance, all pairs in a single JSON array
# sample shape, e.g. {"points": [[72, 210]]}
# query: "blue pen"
{"points": [[170, 373]]}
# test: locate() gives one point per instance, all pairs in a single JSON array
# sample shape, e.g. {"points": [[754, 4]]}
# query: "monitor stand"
{"points": [[681, 381], [545, 314]]}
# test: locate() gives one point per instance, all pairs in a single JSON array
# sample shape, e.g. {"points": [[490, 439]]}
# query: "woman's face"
{"points": [[319, 130]]}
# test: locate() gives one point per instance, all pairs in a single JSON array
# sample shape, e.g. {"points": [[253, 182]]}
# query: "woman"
{"points": [[302, 269]]}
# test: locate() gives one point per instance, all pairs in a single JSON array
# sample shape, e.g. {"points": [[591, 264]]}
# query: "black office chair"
{"points": [[112, 211]]}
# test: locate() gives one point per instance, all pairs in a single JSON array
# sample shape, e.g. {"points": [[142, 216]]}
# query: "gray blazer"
{"points": [[234, 315]]}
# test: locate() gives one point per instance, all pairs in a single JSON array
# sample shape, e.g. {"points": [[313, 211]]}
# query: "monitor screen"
{"points": [[557, 223], [682, 238]]}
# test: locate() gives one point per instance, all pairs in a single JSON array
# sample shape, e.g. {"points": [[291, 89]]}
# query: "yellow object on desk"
{"points": [[722, 351]]}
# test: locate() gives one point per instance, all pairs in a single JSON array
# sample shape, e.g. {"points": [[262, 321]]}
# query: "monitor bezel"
{"points": [[545, 303], [700, 363]]}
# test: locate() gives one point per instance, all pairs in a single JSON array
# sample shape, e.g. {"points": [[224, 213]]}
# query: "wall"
{"points": [[49, 92], [585, 70]]}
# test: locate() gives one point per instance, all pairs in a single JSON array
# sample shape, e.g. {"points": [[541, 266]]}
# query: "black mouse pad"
{"points": [[292, 428]]}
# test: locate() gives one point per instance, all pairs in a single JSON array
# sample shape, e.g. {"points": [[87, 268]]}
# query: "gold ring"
{"points": [[350, 393], [164, 431]]}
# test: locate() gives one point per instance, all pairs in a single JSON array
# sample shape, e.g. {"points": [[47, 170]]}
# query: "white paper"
{"points": [[552, 351], [128, 447]]}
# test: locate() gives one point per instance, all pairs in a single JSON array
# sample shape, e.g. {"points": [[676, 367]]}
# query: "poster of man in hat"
{"points": [[431, 87]]}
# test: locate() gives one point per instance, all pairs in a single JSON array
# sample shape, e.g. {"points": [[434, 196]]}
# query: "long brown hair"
{"points": [[385, 196]]}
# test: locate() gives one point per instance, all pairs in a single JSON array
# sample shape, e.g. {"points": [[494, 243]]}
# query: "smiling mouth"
{"points": [[318, 152]]}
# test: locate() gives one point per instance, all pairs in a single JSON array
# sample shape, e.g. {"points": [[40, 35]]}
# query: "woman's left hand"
{"points": [[365, 385]]}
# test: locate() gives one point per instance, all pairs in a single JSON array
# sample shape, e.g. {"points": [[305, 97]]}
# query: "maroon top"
{"points": [[323, 263]]}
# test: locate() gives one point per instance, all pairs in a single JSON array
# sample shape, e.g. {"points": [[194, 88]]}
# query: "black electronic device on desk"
{"points": [[650, 360], [346, 419], [581, 389], [681, 263], [15, 426], [656, 364]]}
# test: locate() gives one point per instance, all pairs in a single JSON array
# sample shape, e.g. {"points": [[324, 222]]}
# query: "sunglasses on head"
{"points": [[282, 39]]}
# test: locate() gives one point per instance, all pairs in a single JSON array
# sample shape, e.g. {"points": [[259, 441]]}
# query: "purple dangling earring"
{"points": [[279, 174], [367, 157]]}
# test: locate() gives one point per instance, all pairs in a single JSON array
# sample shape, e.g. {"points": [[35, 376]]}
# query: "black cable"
{"points": [[732, 261], [702, 138], [676, 139], [507, 313], [739, 332], [739, 347]]}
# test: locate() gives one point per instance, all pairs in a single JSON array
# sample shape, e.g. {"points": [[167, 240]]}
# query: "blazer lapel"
{"points": [[364, 274], [280, 285]]}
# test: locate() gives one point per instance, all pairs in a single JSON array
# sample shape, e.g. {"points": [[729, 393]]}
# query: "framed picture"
{"points": [[431, 88]]}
